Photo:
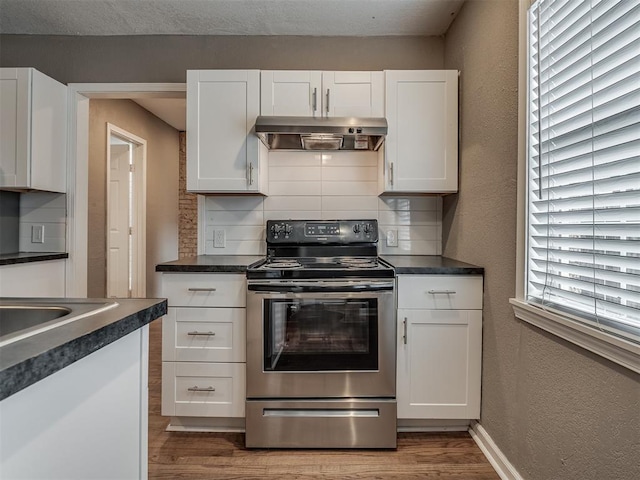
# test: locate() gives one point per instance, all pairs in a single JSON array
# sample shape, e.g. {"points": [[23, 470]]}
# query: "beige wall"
{"points": [[162, 187], [161, 58], [556, 411]]}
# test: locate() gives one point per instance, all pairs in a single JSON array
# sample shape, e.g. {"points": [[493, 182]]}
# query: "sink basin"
{"points": [[19, 317], [22, 318]]}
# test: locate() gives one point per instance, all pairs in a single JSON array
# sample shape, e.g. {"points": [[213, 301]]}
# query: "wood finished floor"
{"points": [[174, 455]]}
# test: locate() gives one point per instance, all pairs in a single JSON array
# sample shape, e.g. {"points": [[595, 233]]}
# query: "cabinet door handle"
{"points": [[315, 100], [391, 173], [203, 334], [251, 174], [441, 292], [196, 388], [404, 328], [328, 96], [194, 289]]}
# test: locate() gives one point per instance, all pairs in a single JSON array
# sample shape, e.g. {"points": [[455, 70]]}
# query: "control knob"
{"points": [[356, 228]]}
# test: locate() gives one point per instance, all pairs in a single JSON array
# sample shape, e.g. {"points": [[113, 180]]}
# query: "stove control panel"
{"points": [[322, 232]]}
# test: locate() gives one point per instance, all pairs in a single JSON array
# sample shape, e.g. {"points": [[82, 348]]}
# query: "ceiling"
{"points": [[225, 17], [228, 17]]}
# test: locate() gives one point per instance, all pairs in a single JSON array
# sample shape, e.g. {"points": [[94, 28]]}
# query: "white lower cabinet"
{"points": [[203, 345], [439, 346]]}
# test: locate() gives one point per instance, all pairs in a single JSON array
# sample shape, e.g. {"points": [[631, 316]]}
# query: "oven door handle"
{"points": [[304, 287]]}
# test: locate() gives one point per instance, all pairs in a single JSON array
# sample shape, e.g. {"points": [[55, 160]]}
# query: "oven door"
{"points": [[321, 339]]}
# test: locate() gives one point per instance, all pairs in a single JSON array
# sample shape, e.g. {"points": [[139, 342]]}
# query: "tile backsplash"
{"points": [[342, 185], [47, 211]]}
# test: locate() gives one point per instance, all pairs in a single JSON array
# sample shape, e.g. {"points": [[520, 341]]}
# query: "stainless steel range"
{"points": [[321, 339]]}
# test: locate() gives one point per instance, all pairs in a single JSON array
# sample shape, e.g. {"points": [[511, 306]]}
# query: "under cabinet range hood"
{"points": [[325, 133]]}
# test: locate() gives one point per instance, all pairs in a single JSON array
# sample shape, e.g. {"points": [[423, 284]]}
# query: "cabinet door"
{"points": [[290, 93], [33, 130], [222, 153], [353, 94], [439, 360], [421, 148]]}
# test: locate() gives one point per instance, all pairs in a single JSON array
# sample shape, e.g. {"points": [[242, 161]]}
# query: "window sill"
{"points": [[608, 346]]}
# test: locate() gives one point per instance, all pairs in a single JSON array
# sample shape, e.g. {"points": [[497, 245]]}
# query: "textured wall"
{"points": [[162, 187], [162, 58], [556, 410], [188, 209]]}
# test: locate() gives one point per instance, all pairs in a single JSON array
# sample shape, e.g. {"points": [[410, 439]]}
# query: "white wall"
{"points": [[307, 185]]}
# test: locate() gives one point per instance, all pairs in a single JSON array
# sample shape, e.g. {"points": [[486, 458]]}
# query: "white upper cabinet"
{"points": [[33, 131], [322, 94], [223, 154], [421, 148]]}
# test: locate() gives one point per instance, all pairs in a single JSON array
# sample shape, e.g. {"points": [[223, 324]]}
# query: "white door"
{"points": [[119, 213], [125, 214]]}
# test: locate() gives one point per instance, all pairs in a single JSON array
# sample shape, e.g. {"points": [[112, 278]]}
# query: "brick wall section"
{"points": [[188, 210]]}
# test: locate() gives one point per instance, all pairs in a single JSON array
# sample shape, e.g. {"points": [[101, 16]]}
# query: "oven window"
{"points": [[314, 334]]}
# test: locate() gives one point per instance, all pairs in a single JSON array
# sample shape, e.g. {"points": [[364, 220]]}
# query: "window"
{"points": [[583, 163]]}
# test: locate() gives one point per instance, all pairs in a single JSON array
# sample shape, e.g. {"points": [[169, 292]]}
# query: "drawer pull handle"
{"points": [[201, 389], [441, 292], [193, 289], [206, 334], [404, 335]]}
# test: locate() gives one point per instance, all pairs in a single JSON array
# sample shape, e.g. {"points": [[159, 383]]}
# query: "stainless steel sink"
{"points": [[22, 318]]}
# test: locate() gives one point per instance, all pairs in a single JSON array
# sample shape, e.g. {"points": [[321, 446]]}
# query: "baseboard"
{"points": [[205, 424], [498, 460]]}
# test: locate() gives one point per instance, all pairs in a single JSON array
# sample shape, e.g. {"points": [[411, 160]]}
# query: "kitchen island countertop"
{"points": [[210, 264], [29, 360], [430, 265]]}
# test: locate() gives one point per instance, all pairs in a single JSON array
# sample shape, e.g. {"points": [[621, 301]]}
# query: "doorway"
{"points": [[126, 213]]}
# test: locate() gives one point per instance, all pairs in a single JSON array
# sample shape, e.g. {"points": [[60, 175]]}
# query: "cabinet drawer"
{"points": [[204, 335], [203, 389], [204, 290], [440, 292]]}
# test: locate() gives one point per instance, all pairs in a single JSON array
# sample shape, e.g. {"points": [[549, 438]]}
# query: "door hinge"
{"points": [[130, 230], [132, 167]]}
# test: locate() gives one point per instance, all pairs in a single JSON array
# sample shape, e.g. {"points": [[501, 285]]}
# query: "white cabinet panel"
{"points": [[439, 346], [291, 93], [204, 345], [203, 389], [322, 94], [353, 94], [204, 335], [421, 149], [33, 130], [439, 365], [37, 279], [440, 291], [222, 153], [204, 290]]}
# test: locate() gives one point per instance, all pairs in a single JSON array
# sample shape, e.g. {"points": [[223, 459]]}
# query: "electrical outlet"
{"points": [[219, 238], [392, 238], [37, 233]]}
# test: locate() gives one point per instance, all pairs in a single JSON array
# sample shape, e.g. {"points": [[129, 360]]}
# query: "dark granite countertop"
{"points": [[27, 361], [430, 265], [210, 264], [28, 257]]}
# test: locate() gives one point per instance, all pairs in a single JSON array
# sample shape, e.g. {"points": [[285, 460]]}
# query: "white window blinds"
{"points": [[583, 218]]}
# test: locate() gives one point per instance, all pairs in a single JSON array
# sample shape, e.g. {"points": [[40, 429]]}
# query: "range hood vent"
{"points": [[332, 133]]}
